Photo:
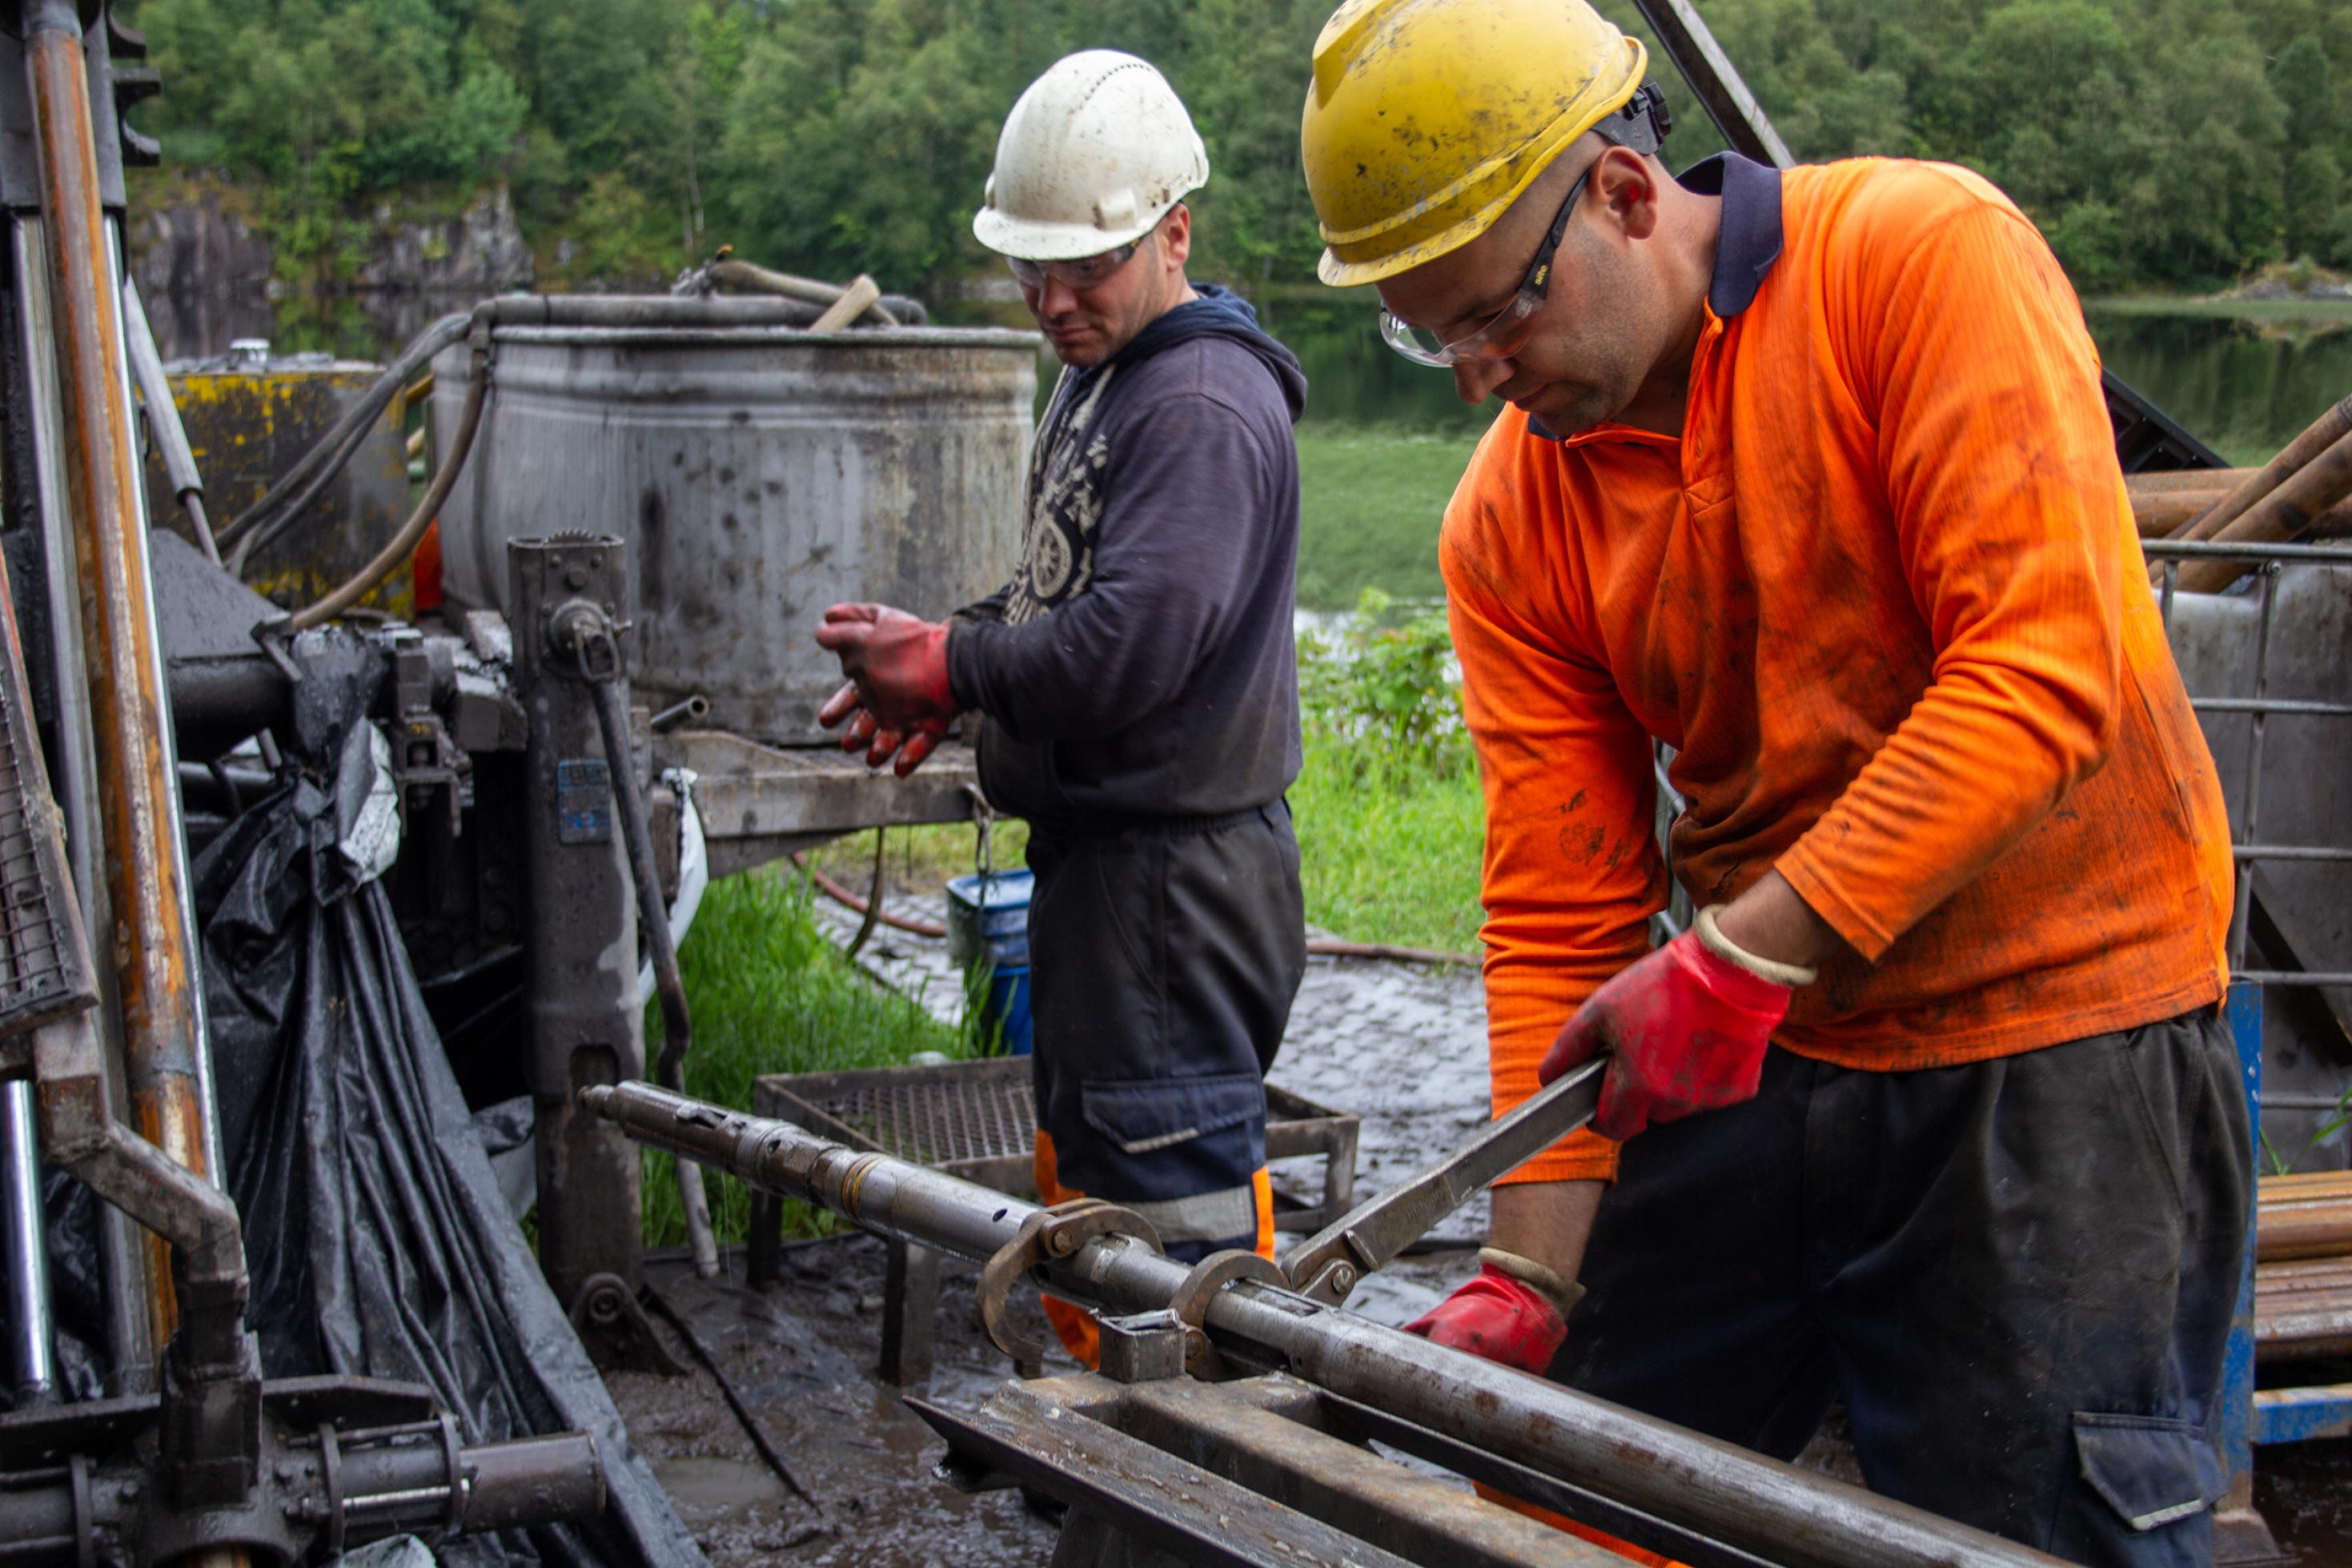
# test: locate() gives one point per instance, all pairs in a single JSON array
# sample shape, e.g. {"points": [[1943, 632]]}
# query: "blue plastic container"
{"points": [[990, 925], [1005, 1010], [987, 930]]}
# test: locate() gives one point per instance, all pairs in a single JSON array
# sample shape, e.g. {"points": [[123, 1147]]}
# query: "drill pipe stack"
{"points": [[1778, 1512]]}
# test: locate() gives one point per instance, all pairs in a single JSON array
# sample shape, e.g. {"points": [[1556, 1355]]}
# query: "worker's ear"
{"points": [[1627, 184], [1176, 236]]}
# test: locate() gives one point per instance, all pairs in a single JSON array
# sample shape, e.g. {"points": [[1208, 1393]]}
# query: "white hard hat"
{"points": [[1095, 152]]}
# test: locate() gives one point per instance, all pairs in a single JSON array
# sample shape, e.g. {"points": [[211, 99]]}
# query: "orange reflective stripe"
{"points": [[1560, 1522], [1074, 1326]]}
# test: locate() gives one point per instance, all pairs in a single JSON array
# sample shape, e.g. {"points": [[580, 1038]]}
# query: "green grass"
{"points": [[770, 993], [1370, 504], [2231, 310], [1389, 847]]}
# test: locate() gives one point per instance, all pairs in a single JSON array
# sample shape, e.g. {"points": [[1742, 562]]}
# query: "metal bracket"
{"points": [[1190, 1304], [1144, 1347], [616, 1330], [426, 762], [1055, 1232]]}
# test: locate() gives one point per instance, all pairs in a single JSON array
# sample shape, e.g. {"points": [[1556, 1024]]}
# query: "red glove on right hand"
{"points": [[1685, 1028], [1497, 1317], [909, 746], [898, 661]]}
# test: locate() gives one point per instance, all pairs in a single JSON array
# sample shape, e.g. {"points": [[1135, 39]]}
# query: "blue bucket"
{"points": [[987, 930], [1005, 1010], [988, 919]]}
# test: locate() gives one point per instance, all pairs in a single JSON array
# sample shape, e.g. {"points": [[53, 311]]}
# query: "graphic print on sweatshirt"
{"points": [[1057, 544]]}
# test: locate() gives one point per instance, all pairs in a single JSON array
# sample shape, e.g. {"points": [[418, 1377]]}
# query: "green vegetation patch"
{"points": [[771, 993], [1370, 504], [1391, 828]]}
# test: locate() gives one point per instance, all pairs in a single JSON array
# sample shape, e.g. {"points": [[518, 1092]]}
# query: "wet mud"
{"points": [[803, 1356]]}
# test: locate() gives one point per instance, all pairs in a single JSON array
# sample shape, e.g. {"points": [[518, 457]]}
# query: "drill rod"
{"points": [[1727, 1493]]}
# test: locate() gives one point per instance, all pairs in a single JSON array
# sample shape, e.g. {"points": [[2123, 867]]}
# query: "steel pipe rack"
{"points": [[1708, 1499]]}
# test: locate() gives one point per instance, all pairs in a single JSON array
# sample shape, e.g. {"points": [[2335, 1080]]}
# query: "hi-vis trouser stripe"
{"points": [[1204, 1217]]}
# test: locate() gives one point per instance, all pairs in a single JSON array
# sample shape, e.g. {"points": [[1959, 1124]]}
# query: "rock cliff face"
{"points": [[196, 244], [480, 251], [208, 274], [197, 247]]}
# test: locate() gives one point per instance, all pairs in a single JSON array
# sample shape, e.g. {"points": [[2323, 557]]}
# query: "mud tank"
{"points": [[757, 475]]}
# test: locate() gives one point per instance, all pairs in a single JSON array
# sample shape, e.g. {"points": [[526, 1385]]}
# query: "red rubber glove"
{"points": [[898, 661], [866, 734], [1685, 1028], [1501, 1317]]}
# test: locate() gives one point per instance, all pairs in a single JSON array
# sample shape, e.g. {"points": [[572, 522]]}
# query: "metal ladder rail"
{"points": [[2249, 1418]]}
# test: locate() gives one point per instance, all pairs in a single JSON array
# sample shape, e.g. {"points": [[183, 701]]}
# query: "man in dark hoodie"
{"points": [[1136, 681]]}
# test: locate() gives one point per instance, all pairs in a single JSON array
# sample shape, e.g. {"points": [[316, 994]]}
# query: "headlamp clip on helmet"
{"points": [[1641, 123]]}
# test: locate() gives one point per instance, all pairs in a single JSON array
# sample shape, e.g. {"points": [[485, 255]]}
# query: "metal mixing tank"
{"points": [[757, 473]]}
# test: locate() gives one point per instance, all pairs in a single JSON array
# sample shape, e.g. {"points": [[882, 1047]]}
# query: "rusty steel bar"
{"points": [[130, 1351], [2252, 487], [2310, 492], [152, 947], [1724, 1492]]}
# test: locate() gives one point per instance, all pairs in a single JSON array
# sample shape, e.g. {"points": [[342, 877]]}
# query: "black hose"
{"points": [[445, 479], [262, 530], [333, 449], [604, 679], [653, 916]]}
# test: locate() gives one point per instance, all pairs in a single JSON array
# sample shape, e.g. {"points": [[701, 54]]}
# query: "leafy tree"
{"points": [[2174, 142]]}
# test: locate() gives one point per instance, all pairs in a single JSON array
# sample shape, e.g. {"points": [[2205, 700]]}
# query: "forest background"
{"points": [[2168, 145]]}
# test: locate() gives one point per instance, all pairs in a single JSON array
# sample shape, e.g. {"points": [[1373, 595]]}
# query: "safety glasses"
{"points": [[1507, 331], [1085, 272]]}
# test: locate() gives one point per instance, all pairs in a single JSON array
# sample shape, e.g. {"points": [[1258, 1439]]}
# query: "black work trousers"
{"points": [[1163, 958], [2019, 1274]]}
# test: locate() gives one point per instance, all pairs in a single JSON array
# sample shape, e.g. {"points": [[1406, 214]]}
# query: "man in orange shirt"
{"points": [[1807, 476]]}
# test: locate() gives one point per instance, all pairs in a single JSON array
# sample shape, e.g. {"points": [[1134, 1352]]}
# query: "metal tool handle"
{"points": [[1327, 1265]]}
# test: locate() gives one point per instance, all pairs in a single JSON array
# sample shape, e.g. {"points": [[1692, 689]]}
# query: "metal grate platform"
{"points": [[45, 964], [939, 1123], [977, 1119]]}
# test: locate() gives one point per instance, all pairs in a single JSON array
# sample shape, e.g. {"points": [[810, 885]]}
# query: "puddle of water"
{"points": [[707, 1490]]}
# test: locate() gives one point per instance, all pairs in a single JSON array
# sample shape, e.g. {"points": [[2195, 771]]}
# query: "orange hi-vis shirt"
{"points": [[1885, 598]]}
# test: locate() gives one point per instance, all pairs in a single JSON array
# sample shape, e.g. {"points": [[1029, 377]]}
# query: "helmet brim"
{"points": [[1025, 240]]}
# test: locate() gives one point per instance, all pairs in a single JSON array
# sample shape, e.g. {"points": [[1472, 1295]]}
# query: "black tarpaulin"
{"points": [[378, 1238]]}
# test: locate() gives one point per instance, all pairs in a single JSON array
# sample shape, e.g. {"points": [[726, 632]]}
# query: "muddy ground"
{"points": [[802, 1356]]}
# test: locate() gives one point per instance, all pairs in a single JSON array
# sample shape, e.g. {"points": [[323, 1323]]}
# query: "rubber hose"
{"points": [[404, 543], [328, 448], [265, 530]]}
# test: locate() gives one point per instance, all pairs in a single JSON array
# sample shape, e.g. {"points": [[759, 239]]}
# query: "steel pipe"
{"points": [[1790, 1516], [33, 1368], [123, 1258], [163, 425], [2252, 487], [153, 950], [663, 310]]}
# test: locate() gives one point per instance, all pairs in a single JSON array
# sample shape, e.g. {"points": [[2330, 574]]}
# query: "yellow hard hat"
{"points": [[1427, 117]]}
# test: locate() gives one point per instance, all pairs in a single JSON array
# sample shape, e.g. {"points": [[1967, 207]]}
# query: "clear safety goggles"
{"points": [[1639, 125], [1085, 272], [1505, 332]]}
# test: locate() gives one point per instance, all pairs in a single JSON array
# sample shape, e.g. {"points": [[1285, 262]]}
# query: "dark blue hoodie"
{"points": [[1140, 661]]}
